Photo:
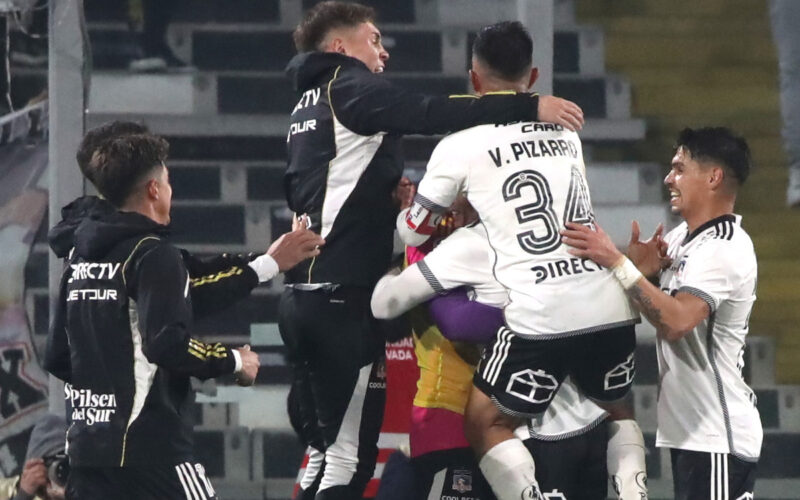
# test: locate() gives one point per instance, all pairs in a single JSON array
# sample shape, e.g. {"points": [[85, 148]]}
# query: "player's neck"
{"points": [[707, 212], [501, 86]]}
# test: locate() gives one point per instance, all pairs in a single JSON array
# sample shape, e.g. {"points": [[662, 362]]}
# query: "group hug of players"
{"points": [[523, 316]]}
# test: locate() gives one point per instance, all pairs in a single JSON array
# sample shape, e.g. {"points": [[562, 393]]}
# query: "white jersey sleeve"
{"points": [[462, 259], [446, 176]]}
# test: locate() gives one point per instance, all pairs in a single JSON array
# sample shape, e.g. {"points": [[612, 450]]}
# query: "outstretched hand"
{"points": [[561, 111], [293, 247], [588, 243], [250, 364], [649, 256]]}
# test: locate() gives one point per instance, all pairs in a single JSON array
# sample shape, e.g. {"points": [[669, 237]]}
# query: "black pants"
{"points": [[575, 467], [186, 481], [336, 354], [698, 475]]}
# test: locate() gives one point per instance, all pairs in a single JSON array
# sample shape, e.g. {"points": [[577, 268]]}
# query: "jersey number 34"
{"points": [[544, 238]]}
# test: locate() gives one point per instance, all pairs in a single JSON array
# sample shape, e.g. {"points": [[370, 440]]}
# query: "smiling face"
{"points": [[364, 43], [688, 183]]}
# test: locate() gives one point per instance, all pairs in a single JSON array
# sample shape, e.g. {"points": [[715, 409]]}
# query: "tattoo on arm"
{"points": [[646, 306]]}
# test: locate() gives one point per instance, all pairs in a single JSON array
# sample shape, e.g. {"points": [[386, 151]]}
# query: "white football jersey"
{"points": [[704, 403], [525, 180], [463, 259]]}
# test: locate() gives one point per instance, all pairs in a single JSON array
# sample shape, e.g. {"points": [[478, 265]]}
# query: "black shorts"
{"points": [[186, 481], [698, 475], [522, 375], [450, 475], [574, 467]]}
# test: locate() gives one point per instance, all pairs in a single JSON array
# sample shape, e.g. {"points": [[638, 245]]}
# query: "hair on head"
{"points": [[98, 135], [718, 145], [326, 16], [506, 48], [120, 164]]}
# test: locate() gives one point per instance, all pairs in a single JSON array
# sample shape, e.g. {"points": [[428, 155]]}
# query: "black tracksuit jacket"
{"points": [[345, 157], [120, 335]]}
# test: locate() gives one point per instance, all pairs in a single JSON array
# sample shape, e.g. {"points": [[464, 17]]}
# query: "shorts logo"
{"points": [[462, 481], [554, 495], [532, 386], [621, 375], [746, 496]]}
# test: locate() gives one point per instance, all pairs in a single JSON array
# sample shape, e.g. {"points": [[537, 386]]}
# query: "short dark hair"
{"points": [[506, 47], [718, 145], [98, 135], [120, 164], [326, 16]]}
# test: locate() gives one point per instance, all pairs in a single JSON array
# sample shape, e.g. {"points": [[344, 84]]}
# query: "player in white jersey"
{"points": [[566, 316], [706, 412], [573, 432]]}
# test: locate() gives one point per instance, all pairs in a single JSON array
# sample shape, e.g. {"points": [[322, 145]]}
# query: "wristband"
{"points": [[626, 273], [237, 360]]}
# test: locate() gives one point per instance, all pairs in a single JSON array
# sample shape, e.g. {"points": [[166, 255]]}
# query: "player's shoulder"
{"points": [[726, 240], [465, 243]]}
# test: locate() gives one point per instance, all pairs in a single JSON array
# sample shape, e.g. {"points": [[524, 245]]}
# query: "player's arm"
{"points": [[445, 178], [159, 285], [57, 358], [673, 317], [368, 104], [222, 280], [398, 292]]}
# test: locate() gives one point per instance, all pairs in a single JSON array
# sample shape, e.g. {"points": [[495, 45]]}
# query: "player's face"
{"points": [[164, 202], [364, 43], [686, 182]]}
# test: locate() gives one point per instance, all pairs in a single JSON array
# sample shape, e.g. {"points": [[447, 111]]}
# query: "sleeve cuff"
{"points": [[237, 360], [265, 267]]}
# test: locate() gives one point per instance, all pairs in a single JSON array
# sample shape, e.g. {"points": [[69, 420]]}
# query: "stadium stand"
{"points": [[226, 126]]}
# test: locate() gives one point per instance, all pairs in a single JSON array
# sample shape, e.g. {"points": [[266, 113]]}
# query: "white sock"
{"points": [[625, 460], [510, 471]]}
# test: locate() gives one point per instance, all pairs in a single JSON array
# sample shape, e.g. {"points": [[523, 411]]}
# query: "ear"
{"points": [[476, 81], [337, 45], [534, 76], [152, 189], [716, 177]]}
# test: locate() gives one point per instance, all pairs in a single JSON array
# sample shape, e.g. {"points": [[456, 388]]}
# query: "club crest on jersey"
{"points": [[553, 495], [621, 375], [462, 481], [534, 386]]}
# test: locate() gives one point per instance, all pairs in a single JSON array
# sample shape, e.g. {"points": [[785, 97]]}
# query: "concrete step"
{"points": [[669, 76], [718, 9], [694, 53], [253, 11], [624, 183], [694, 102], [662, 25]]}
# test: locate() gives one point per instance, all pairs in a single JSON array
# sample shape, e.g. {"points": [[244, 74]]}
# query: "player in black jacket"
{"points": [[345, 161], [120, 335]]}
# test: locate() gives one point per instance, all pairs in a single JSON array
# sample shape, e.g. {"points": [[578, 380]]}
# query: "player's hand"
{"points": [[250, 363], [403, 194], [34, 476], [294, 247], [301, 222], [650, 256], [588, 243], [561, 111]]}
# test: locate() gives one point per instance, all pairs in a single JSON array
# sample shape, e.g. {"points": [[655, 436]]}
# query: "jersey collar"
{"points": [[710, 223]]}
